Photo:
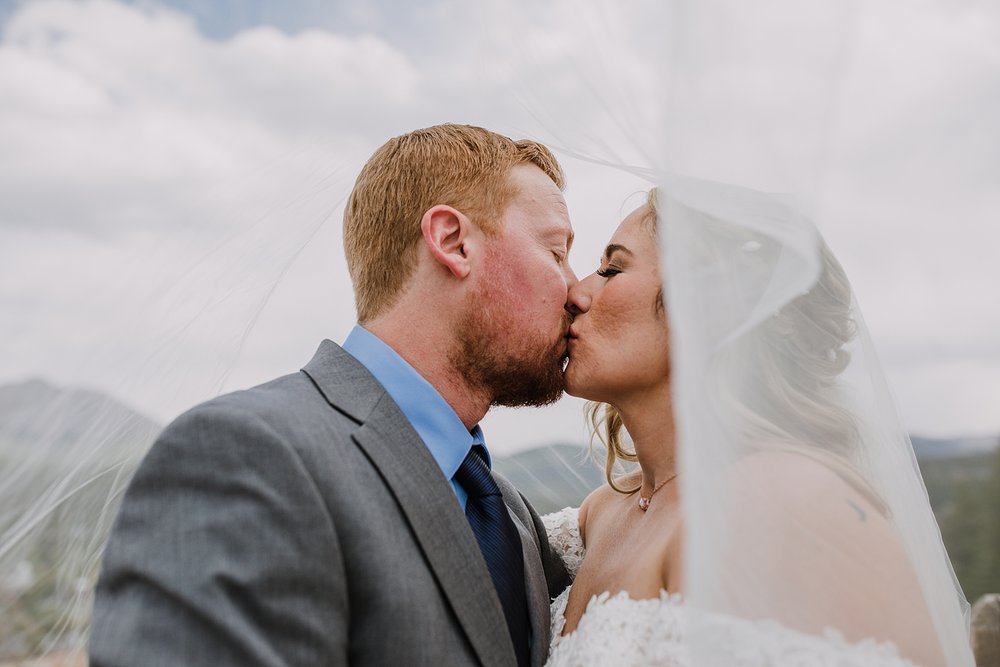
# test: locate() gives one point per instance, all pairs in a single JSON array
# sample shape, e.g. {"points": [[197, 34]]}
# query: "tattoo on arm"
{"points": [[862, 516]]}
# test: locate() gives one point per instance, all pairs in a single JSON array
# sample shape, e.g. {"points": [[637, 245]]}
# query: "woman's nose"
{"points": [[578, 297]]}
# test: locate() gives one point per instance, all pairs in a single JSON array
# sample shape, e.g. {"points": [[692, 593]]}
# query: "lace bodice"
{"points": [[619, 630]]}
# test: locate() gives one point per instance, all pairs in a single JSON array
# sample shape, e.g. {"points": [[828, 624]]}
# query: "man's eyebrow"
{"points": [[615, 247]]}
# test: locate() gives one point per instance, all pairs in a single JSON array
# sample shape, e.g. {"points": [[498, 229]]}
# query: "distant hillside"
{"points": [[63, 451], [40, 421], [552, 477], [947, 448], [37, 418], [46, 430], [949, 465], [556, 476], [65, 457]]}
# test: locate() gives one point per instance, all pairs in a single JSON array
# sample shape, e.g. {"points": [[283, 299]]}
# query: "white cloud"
{"points": [[156, 185], [110, 105], [912, 205]]}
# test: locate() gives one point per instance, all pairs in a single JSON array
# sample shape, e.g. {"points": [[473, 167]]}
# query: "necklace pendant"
{"points": [[644, 503]]}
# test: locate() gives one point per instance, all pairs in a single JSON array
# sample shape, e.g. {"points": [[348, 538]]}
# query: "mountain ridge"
{"points": [[35, 413]]}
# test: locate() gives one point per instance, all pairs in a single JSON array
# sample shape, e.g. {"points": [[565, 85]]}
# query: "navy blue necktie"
{"points": [[500, 544]]}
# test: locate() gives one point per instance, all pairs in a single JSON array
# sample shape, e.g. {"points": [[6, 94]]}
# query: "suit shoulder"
{"points": [[268, 404], [273, 396], [240, 418]]}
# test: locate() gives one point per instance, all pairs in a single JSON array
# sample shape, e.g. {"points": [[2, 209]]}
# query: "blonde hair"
{"points": [[462, 166], [606, 424]]}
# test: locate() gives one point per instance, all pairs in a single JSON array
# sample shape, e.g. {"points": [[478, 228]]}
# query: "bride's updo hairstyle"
{"points": [[787, 395], [462, 166], [793, 369]]}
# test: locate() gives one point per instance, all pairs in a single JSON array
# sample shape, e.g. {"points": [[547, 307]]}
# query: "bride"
{"points": [[810, 567]]}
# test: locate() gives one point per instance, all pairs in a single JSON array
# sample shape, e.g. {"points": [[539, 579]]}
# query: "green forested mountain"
{"points": [[965, 495]]}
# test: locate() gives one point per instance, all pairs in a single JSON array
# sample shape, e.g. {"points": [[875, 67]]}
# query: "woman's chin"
{"points": [[574, 385]]}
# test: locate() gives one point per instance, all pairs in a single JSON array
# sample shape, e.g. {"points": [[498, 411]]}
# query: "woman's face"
{"points": [[619, 341]]}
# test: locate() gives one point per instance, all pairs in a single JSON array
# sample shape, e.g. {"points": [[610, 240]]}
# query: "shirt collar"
{"points": [[432, 418]]}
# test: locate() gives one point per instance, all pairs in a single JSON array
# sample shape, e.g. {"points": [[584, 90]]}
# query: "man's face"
{"points": [[513, 342]]}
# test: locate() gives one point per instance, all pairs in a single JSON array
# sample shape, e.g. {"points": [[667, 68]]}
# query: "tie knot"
{"points": [[475, 477]]}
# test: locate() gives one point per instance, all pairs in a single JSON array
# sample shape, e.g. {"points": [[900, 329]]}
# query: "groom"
{"points": [[347, 514]]}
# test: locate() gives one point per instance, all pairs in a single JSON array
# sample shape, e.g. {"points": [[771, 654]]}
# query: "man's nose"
{"points": [[578, 297]]}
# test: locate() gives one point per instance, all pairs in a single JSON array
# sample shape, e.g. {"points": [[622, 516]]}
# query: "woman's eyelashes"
{"points": [[608, 271]]}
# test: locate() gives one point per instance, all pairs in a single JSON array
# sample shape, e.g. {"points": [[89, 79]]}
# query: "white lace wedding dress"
{"points": [[617, 630]]}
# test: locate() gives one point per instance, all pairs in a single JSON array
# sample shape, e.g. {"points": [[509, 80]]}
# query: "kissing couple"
{"points": [[347, 514]]}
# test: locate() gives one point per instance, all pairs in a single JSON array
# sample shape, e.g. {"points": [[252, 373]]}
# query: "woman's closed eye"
{"points": [[608, 271], [614, 252]]}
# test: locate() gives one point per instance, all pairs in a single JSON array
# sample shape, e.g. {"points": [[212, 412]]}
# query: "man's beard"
{"points": [[512, 369]]}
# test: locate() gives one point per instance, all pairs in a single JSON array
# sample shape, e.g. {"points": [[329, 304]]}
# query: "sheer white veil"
{"points": [[750, 119], [803, 502]]}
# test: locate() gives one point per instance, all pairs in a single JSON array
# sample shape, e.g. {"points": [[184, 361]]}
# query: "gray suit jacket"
{"points": [[304, 522]]}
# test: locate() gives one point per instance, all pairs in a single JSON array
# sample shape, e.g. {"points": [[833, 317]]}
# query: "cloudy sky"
{"points": [[171, 173]]}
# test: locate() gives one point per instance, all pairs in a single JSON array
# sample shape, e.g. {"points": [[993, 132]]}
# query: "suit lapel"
{"points": [[424, 495], [436, 518], [535, 585], [344, 382]]}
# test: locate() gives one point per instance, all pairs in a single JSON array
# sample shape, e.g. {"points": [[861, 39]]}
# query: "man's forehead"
{"points": [[558, 224], [529, 180], [556, 199], [536, 193]]}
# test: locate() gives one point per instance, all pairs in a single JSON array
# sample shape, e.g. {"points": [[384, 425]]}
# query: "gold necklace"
{"points": [[644, 502]]}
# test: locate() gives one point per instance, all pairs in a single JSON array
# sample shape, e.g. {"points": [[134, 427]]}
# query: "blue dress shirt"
{"points": [[432, 418]]}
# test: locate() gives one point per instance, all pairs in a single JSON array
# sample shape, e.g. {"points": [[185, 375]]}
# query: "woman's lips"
{"points": [[571, 339]]}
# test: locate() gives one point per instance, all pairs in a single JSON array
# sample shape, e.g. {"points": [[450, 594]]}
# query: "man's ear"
{"points": [[446, 232]]}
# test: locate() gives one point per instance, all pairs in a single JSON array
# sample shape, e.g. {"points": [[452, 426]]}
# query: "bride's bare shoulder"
{"points": [[802, 480], [603, 496], [597, 503], [788, 503], [805, 520]]}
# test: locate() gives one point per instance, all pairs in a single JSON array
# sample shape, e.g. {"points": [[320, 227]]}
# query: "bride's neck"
{"points": [[649, 420]]}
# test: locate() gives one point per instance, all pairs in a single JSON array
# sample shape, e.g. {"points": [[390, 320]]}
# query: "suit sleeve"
{"points": [[223, 553]]}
